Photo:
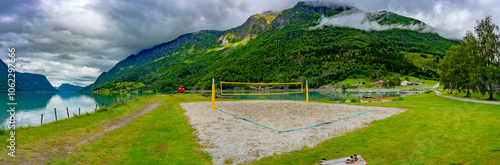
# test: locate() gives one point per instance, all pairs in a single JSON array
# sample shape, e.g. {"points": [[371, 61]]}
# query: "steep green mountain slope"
{"points": [[25, 82], [87, 88], [282, 47]]}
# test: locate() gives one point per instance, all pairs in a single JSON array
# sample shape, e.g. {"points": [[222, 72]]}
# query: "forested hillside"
{"points": [[284, 47]]}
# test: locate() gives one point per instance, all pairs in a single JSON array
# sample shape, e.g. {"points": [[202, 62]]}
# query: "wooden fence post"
{"points": [[55, 112], [41, 120], [67, 111], [78, 110]]}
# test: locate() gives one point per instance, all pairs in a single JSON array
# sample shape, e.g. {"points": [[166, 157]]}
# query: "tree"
{"points": [[487, 46], [475, 63], [445, 75]]}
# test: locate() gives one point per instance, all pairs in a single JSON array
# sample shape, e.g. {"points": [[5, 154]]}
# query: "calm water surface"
{"points": [[30, 106]]}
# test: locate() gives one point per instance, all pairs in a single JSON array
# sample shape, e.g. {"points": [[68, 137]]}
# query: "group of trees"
{"points": [[474, 64], [392, 81]]}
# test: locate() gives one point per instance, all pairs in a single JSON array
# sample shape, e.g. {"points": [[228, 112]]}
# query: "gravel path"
{"points": [[227, 137], [471, 100]]}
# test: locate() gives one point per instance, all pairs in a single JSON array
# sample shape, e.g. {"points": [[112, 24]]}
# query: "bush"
{"points": [[3, 130], [370, 85], [228, 161], [102, 109], [324, 99], [342, 100], [399, 99], [355, 100], [262, 98]]}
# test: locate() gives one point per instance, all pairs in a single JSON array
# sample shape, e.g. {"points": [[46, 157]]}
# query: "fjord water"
{"points": [[30, 106]]}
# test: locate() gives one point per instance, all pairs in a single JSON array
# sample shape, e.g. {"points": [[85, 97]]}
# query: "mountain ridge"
{"points": [[25, 82], [150, 65], [65, 87]]}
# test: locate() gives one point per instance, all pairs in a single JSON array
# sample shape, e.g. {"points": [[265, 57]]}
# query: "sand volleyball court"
{"points": [[243, 131]]}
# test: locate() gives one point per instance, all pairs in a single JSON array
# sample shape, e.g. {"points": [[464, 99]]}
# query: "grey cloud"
{"points": [[65, 57], [23, 61], [99, 34], [450, 18], [39, 70], [98, 57]]}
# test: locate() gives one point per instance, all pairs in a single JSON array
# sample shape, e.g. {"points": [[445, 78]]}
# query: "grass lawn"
{"points": [[425, 84], [474, 96], [162, 136], [47, 137], [354, 81], [434, 130]]}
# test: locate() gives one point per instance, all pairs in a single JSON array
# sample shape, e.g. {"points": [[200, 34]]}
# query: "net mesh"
{"points": [[246, 88]]}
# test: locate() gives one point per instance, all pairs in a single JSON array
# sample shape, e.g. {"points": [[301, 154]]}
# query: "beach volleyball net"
{"points": [[260, 89], [247, 88]]}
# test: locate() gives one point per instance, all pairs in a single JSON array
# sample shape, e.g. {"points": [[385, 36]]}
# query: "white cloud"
{"points": [[450, 18], [360, 20]]}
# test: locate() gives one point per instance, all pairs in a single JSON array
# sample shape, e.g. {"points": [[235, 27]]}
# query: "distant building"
{"points": [[380, 83], [417, 83], [404, 83]]}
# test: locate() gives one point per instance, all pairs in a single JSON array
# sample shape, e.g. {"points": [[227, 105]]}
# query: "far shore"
{"points": [[363, 90]]}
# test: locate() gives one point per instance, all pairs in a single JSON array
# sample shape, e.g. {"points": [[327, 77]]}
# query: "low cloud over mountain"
{"points": [[74, 39]]}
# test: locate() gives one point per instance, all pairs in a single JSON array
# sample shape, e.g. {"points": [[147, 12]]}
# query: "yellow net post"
{"points": [[213, 94], [307, 93]]}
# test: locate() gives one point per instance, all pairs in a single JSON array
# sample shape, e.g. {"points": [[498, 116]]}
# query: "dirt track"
{"points": [[470, 100], [226, 136], [66, 148]]}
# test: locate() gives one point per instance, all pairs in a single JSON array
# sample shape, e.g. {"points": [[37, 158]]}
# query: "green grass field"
{"points": [[425, 84], [53, 136], [160, 137], [434, 130], [474, 96]]}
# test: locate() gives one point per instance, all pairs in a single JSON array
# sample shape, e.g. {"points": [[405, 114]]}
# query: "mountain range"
{"points": [[69, 88], [316, 41], [25, 82]]}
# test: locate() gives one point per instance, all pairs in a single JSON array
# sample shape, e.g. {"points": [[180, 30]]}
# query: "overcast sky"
{"points": [[75, 41]]}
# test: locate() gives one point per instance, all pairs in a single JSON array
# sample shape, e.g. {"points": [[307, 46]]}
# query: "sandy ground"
{"points": [[227, 137]]}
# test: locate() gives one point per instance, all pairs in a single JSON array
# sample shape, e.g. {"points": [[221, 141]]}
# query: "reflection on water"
{"points": [[30, 106]]}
